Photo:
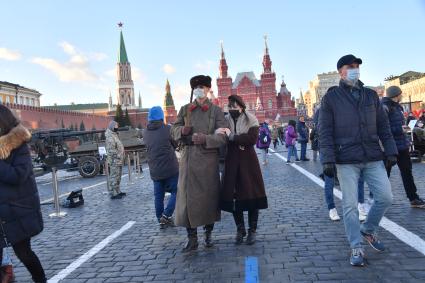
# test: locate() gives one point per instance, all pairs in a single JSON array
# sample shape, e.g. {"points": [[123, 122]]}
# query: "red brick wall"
{"points": [[136, 117], [44, 118]]}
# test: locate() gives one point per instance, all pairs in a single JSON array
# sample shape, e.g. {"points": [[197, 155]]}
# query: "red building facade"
{"points": [[260, 96]]}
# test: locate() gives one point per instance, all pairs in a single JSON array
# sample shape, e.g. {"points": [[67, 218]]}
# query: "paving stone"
{"points": [[296, 240]]}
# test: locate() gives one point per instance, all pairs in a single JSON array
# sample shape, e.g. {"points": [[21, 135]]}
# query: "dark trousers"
{"points": [[25, 254], [252, 220], [160, 187], [405, 165], [193, 232], [303, 150]]}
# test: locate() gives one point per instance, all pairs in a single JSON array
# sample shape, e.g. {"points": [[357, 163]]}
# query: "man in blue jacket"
{"points": [[391, 104], [352, 125]]}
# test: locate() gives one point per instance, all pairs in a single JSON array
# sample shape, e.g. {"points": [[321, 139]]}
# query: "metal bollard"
{"points": [[134, 162], [137, 163], [57, 212], [129, 168], [139, 167], [106, 169]]}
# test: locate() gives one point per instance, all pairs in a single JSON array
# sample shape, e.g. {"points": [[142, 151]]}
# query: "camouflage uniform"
{"points": [[115, 151]]}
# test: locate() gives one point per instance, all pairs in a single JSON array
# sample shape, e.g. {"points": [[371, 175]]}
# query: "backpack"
{"points": [[264, 137]]}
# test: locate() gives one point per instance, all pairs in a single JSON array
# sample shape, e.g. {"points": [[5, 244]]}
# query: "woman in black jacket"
{"points": [[20, 214]]}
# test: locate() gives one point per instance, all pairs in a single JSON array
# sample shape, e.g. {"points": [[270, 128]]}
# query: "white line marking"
{"points": [[398, 231], [85, 257], [86, 188], [60, 180]]}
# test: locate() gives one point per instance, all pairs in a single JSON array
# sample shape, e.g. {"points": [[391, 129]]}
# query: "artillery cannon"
{"points": [[81, 148]]}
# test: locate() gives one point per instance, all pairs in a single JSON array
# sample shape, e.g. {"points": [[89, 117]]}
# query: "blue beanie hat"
{"points": [[156, 113]]}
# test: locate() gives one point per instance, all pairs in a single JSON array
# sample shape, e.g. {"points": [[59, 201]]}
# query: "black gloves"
{"points": [[329, 169], [390, 161]]}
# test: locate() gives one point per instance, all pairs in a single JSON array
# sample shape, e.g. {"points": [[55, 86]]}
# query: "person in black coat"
{"points": [[20, 213], [243, 186], [302, 131], [391, 104], [163, 164], [352, 127]]}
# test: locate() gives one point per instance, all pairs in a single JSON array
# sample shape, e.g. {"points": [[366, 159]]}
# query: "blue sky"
{"points": [[68, 49]]}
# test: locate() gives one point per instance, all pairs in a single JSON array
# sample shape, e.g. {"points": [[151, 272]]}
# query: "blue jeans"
{"points": [[6, 258], [292, 151], [375, 176], [329, 187], [160, 187], [303, 150]]}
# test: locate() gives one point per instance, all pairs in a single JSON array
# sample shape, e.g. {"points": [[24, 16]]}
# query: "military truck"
{"points": [[86, 156], [79, 150]]}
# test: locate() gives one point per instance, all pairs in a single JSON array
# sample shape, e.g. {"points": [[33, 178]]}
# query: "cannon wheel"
{"points": [[88, 166]]}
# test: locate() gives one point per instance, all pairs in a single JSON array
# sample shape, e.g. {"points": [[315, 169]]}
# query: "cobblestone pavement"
{"points": [[296, 240]]}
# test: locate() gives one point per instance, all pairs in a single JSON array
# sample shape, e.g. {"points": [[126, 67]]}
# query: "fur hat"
{"points": [[200, 80]]}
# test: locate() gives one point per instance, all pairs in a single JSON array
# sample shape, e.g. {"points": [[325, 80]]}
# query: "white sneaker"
{"points": [[333, 215], [362, 212]]}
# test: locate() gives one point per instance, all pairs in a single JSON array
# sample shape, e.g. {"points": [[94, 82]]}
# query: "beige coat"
{"points": [[199, 182]]}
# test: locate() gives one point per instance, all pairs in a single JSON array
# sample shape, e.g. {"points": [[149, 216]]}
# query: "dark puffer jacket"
{"points": [[350, 130], [162, 158], [396, 120], [19, 201]]}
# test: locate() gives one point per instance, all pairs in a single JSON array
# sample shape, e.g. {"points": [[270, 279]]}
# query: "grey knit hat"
{"points": [[112, 125], [393, 91]]}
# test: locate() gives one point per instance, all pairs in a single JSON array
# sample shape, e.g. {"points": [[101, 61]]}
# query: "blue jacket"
{"points": [[302, 131], [350, 129], [19, 201], [396, 120]]}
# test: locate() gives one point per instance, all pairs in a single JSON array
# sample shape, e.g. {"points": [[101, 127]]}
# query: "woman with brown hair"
{"points": [[243, 188], [20, 213]]}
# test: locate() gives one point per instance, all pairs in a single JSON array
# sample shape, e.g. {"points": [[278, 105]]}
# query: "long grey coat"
{"points": [[198, 191]]}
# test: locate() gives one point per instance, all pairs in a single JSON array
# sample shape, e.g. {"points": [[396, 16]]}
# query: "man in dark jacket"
{"points": [[302, 131], [352, 123], [396, 118], [163, 165]]}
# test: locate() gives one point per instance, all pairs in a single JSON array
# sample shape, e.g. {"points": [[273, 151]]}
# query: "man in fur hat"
{"points": [[199, 180]]}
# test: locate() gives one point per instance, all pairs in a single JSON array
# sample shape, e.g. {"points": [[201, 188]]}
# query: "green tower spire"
{"points": [[122, 55], [168, 101]]}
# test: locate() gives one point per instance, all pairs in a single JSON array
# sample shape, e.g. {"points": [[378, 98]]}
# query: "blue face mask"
{"points": [[353, 75]]}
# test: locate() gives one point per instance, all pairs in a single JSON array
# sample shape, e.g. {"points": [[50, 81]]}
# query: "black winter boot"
{"points": [[192, 243], [240, 226], [207, 235], [252, 219]]}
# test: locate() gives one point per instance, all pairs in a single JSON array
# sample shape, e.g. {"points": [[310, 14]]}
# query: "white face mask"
{"points": [[199, 93], [353, 75]]}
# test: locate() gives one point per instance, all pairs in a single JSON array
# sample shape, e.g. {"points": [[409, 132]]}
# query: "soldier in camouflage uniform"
{"points": [[115, 152]]}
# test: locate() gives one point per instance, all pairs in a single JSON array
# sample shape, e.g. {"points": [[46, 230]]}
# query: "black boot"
{"points": [[240, 226], [192, 243], [207, 235], [252, 219]]}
